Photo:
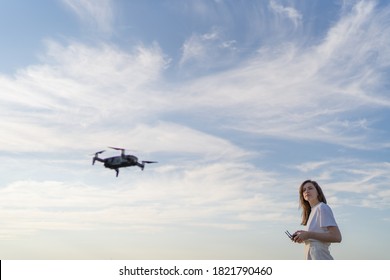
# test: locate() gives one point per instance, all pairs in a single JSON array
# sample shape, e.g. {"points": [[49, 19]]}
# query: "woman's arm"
{"points": [[333, 235]]}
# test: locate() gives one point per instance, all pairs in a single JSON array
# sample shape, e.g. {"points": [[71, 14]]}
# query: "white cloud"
{"points": [[191, 197], [77, 89], [286, 92], [198, 47], [351, 181], [207, 51], [104, 94], [310, 166], [97, 13], [288, 12]]}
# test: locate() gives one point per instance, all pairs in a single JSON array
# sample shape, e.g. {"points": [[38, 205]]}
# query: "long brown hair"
{"points": [[306, 208]]}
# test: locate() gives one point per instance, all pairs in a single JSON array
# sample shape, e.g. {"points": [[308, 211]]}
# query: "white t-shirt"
{"points": [[321, 217]]}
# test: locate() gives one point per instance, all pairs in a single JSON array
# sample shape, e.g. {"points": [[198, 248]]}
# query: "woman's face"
{"points": [[310, 193]]}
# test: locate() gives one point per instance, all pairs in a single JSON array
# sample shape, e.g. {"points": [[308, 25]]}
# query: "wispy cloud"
{"points": [[288, 12], [200, 49], [97, 13], [70, 91], [353, 181]]}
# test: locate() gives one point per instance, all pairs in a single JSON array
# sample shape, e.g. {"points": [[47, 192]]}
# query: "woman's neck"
{"points": [[314, 203]]}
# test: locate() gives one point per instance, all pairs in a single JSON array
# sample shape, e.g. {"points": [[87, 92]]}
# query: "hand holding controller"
{"points": [[291, 236]]}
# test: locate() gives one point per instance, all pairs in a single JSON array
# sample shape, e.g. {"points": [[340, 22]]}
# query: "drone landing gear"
{"points": [[141, 165], [117, 172]]}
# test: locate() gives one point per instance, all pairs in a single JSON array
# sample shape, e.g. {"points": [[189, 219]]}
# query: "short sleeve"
{"points": [[326, 216]]}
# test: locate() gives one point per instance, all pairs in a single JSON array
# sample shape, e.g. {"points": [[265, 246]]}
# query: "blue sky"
{"points": [[238, 101]]}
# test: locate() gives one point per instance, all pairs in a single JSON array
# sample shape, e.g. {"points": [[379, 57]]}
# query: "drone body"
{"points": [[120, 161]]}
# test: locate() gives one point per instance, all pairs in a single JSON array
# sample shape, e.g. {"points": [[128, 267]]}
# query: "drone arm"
{"points": [[95, 158], [142, 164]]}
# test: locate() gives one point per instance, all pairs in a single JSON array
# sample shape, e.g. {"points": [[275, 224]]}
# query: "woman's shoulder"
{"points": [[324, 207]]}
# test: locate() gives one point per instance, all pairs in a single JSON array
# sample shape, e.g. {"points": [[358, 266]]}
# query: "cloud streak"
{"points": [[288, 12], [95, 13]]}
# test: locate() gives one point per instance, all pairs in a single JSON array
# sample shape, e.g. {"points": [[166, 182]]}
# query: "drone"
{"points": [[120, 161]]}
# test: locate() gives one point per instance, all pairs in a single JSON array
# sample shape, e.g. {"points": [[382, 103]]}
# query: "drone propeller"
{"points": [[148, 161], [118, 149], [97, 153]]}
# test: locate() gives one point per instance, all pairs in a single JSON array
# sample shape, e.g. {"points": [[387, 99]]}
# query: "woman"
{"points": [[321, 226]]}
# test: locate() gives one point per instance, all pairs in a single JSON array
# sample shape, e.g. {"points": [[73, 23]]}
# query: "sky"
{"points": [[238, 101]]}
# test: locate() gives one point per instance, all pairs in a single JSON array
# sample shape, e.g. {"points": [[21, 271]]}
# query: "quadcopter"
{"points": [[120, 161]]}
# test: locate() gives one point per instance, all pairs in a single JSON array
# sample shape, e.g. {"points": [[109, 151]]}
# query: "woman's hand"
{"points": [[333, 235], [300, 236]]}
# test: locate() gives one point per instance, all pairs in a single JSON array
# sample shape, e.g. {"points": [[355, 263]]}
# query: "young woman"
{"points": [[321, 226]]}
